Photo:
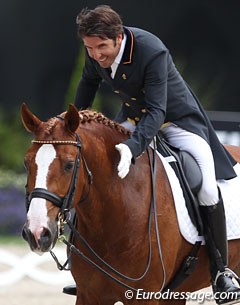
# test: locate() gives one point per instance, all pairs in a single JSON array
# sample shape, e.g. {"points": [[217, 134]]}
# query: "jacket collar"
{"points": [[128, 51]]}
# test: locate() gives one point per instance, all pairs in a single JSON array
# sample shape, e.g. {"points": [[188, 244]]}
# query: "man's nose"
{"points": [[96, 54]]}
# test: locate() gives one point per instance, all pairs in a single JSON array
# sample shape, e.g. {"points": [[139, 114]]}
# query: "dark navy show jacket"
{"points": [[152, 93]]}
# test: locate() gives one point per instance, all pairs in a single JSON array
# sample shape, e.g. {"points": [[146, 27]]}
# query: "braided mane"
{"points": [[50, 124], [88, 116]]}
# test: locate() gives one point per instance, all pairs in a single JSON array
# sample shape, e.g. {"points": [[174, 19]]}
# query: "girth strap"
{"points": [[45, 194], [186, 269]]}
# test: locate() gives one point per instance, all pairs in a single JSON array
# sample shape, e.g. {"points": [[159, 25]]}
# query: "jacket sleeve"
{"points": [[88, 85], [121, 116], [155, 86]]}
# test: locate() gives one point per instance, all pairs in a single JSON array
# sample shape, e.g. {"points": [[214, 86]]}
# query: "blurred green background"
{"points": [[41, 62]]}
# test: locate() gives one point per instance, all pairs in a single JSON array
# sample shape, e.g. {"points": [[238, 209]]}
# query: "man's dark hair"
{"points": [[102, 22]]}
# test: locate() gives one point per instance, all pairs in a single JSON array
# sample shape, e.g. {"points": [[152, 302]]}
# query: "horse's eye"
{"points": [[68, 166]]}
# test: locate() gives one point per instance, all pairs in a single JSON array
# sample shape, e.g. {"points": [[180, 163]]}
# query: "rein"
{"points": [[72, 248], [65, 204]]}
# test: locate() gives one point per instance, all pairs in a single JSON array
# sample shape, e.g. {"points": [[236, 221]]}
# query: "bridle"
{"points": [[64, 203]]}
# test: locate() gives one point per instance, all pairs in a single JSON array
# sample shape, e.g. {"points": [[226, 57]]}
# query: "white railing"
{"points": [[14, 268]]}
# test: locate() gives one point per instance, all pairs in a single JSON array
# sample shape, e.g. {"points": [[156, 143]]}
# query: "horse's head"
{"points": [[51, 162]]}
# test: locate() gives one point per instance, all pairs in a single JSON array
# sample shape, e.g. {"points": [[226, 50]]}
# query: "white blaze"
{"points": [[37, 214]]}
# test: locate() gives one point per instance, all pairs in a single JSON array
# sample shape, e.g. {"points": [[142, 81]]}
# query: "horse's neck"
{"points": [[98, 149], [113, 206]]}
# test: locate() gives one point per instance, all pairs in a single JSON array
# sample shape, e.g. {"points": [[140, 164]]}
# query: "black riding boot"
{"points": [[214, 222]]}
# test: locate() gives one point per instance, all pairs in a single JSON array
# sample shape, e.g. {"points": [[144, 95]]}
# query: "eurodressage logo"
{"points": [[200, 297]]}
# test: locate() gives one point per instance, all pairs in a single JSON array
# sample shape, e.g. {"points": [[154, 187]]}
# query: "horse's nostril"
{"points": [[28, 236], [24, 233], [45, 233], [40, 239], [45, 237]]}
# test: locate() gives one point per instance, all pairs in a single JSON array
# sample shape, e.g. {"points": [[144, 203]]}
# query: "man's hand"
{"points": [[125, 161]]}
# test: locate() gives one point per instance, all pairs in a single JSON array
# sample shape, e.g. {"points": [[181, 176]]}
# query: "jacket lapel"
{"points": [[126, 66], [128, 51]]}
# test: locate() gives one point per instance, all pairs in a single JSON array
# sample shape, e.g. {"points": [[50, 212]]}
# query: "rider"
{"points": [[139, 68]]}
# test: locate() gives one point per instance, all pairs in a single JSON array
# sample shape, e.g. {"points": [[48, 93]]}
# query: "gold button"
{"points": [[131, 121], [144, 110], [116, 91], [128, 105], [165, 125], [133, 98], [137, 118]]}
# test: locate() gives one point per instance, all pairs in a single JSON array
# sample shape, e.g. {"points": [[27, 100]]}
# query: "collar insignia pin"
{"points": [[124, 76]]}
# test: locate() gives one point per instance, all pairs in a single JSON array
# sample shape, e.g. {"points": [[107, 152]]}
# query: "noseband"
{"points": [[64, 203]]}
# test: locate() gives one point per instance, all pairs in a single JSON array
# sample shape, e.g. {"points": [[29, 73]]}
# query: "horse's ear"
{"points": [[72, 118], [29, 120]]}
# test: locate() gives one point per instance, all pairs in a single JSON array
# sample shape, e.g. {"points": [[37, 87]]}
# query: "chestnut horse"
{"points": [[112, 213]]}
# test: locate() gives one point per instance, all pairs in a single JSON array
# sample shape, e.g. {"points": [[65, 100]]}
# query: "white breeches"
{"points": [[201, 151]]}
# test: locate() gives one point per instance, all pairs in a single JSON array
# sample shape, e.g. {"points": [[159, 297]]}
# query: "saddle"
{"points": [[189, 174], [190, 179]]}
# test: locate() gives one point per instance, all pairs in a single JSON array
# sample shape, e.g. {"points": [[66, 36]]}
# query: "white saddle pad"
{"points": [[230, 190]]}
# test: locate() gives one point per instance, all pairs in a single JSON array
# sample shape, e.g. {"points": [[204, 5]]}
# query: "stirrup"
{"points": [[227, 272], [71, 290], [226, 291]]}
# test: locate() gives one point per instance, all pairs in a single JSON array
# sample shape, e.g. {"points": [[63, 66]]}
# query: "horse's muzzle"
{"points": [[39, 241]]}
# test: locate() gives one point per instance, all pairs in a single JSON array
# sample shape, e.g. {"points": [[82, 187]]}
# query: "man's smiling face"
{"points": [[104, 51]]}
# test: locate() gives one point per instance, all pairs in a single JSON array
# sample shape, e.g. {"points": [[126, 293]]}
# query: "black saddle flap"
{"points": [[190, 179], [191, 170]]}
